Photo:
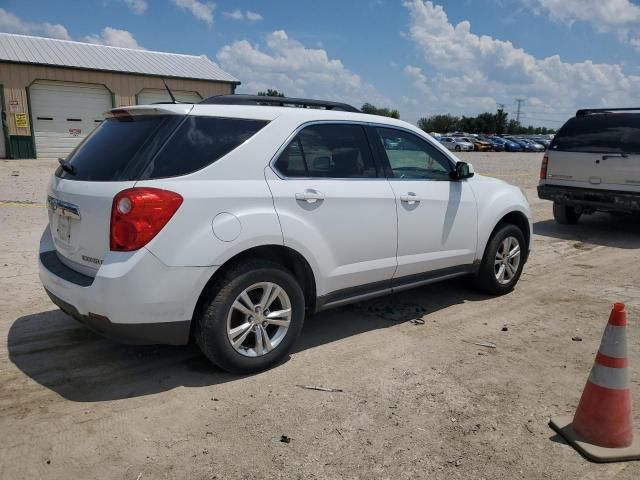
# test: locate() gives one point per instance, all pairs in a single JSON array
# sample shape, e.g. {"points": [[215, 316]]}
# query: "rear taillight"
{"points": [[543, 167], [138, 214]]}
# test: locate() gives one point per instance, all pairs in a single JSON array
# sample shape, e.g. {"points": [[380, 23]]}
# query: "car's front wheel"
{"points": [[251, 317], [503, 261], [458, 148]]}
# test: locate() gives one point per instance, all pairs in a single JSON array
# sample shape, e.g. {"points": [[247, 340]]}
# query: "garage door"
{"points": [[152, 95], [64, 113]]}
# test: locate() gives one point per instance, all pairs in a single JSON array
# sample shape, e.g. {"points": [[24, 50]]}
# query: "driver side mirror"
{"points": [[462, 170]]}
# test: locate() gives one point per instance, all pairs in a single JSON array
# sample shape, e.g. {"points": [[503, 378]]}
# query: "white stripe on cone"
{"points": [[614, 342], [607, 377]]}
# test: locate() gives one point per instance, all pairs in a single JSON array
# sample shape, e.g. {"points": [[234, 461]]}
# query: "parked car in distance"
{"points": [[593, 164], [478, 144], [526, 146], [457, 144], [509, 145], [545, 142], [228, 221], [495, 145], [532, 145]]}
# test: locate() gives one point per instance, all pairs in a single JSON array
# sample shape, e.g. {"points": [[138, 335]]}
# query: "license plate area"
{"points": [[64, 216], [63, 228]]}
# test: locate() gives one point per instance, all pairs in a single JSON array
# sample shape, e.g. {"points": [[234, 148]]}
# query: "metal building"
{"points": [[53, 92]]}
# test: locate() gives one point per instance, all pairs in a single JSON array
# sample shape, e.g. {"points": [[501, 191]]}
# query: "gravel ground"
{"points": [[418, 400]]}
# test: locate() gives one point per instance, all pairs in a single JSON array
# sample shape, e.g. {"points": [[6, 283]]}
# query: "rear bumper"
{"points": [[165, 333], [592, 198], [133, 298]]}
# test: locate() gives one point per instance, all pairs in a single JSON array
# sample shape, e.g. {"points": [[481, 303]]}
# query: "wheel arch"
{"points": [[520, 220], [292, 260]]}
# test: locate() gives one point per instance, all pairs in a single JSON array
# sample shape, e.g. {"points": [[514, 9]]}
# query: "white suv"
{"points": [[227, 221], [593, 164]]}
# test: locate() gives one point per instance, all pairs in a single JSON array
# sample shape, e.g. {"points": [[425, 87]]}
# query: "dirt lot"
{"points": [[419, 401]]}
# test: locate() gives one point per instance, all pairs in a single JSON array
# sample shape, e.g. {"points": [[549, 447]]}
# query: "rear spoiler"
{"points": [[155, 109], [588, 111]]}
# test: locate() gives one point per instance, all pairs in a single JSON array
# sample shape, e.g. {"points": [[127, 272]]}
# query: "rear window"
{"points": [[147, 147], [598, 133]]}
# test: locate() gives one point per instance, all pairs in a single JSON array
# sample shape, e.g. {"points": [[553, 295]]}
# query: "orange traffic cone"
{"points": [[602, 429]]}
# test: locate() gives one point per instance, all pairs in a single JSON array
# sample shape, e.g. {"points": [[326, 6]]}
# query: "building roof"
{"points": [[64, 53]]}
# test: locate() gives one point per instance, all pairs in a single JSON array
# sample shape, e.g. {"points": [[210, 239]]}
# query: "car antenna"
{"points": [[173, 99]]}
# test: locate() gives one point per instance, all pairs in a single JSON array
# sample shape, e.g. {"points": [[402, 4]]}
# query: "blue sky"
{"points": [[422, 57]]}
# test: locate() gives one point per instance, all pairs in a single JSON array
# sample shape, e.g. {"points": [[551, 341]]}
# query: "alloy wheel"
{"points": [[259, 319], [507, 260]]}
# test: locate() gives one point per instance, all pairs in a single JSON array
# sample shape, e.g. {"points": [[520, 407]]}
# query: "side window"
{"points": [[413, 158], [328, 151], [199, 142]]}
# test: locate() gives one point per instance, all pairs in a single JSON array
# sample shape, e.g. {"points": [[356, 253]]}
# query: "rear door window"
{"points": [[598, 133], [328, 151]]}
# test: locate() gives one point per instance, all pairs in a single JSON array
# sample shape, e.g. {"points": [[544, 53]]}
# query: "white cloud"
{"points": [[10, 23], [287, 65], [472, 73], [419, 79], [234, 15], [621, 17], [253, 16], [202, 11], [115, 38], [238, 14], [109, 35], [137, 6]]}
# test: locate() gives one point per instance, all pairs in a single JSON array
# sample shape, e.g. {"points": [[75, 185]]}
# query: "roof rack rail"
{"points": [[587, 111], [277, 102]]}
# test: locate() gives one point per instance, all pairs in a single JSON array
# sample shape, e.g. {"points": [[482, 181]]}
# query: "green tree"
{"points": [[486, 122], [271, 93], [439, 123], [501, 121], [385, 112]]}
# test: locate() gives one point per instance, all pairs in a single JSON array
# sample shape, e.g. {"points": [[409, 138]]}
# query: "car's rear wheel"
{"points": [[503, 261], [565, 214], [458, 148], [251, 317]]}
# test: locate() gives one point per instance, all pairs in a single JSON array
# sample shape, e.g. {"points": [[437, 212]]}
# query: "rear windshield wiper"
{"points": [[66, 166]]}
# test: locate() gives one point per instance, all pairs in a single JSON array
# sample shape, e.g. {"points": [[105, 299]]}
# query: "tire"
{"points": [[565, 214], [458, 148], [217, 316], [487, 277]]}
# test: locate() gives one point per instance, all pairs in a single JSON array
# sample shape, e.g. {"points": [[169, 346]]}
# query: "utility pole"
{"points": [[519, 101]]}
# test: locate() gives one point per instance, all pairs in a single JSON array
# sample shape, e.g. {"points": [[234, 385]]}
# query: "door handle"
{"points": [[618, 155], [310, 196], [410, 198]]}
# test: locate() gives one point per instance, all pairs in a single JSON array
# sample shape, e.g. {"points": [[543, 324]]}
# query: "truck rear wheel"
{"points": [[565, 214]]}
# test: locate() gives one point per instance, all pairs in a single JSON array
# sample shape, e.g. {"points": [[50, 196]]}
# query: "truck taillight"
{"points": [[138, 215], [543, 167]]}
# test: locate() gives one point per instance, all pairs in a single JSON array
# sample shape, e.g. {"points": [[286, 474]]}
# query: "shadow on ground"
{"points": [[62, 355], [597, 229]]}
